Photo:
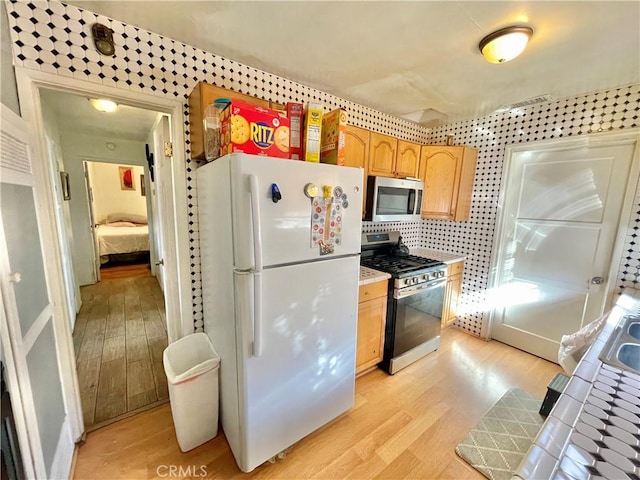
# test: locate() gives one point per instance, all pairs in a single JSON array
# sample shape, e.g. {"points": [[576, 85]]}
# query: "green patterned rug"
{"points": [[497, 444]]}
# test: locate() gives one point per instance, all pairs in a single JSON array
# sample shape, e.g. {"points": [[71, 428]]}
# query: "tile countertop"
{"points": [[368, 275], [593, 430], [437, 255]]}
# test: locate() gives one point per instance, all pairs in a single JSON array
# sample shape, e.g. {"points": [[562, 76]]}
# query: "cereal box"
{"points": [[334, 128], [255, 130], [295, 113], [312, 131]]}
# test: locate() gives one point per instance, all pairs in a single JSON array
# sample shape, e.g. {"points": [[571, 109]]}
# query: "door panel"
{"points": [[561, 214], [305, 375], [25, 256], [566, 191]]}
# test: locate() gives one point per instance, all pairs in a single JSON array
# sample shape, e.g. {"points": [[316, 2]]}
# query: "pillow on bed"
{"points": [[122, 224], [126, 217]]}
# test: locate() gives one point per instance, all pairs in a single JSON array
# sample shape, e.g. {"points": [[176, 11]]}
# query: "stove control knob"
{"points": [[425, 277], [414, 280], [406, 281]]}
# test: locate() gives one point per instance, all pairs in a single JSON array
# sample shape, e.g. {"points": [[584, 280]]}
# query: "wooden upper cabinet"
{"points": [[447, 173], [200, 98], [356, 154], [382, 155], [391, 157], [407, 159]]}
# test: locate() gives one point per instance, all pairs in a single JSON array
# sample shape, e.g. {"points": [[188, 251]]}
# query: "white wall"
{"points": [[77, 148], [108, 196]]}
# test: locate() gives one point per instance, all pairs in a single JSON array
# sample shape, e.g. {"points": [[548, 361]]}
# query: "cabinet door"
{"points": [[407, 159], [356, 154], [200, 98], [440, 172], [382, 155], [371, 323], [452, 293]]}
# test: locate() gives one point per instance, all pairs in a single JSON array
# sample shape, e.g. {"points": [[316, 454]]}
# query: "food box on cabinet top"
{"points": [[295, 114], [312, 132], [253, 129], [334, 129]]}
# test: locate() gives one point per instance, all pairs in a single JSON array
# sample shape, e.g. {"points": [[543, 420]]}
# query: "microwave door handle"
{"points": [[411, 202]]}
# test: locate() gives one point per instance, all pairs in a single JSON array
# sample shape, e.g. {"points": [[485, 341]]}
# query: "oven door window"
{"points": [[395, 201], [418, 318]]}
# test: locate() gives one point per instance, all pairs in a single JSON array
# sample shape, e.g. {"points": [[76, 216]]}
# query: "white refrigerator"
{"points": [[279, 248]]}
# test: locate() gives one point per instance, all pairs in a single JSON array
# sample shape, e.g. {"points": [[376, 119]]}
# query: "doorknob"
{"points": [[597, 280], [160, 262]]}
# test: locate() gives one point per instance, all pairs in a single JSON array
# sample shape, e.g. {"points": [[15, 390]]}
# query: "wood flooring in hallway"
{"points": [[119, 337]]}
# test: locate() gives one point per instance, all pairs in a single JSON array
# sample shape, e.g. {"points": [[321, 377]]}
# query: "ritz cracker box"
{"points": [[334, 129], [312, 132], [254, 130]]}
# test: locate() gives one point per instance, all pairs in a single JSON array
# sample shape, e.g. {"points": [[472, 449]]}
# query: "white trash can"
{"points": [[191, 365]]}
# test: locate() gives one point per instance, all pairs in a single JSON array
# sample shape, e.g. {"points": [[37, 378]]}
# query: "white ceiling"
{"points": [[405, 58], [75, 113]]}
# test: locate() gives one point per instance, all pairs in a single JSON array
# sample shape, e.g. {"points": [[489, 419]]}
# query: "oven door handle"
{"points": [[407, 292]]}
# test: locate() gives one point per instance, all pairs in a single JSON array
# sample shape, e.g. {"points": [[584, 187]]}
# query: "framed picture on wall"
{"points": [[126, 178], [64, 183], [143, 192]]}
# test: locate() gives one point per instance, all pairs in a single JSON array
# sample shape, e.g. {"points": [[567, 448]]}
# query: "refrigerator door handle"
{"points": [[257, 268], [257, 314], [255, 221]]}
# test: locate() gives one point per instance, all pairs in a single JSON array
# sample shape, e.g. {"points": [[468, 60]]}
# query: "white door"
{"points": [[63, 222], [92, 223], [305, 374], [560, 219], [163, 213], [286, 225], [28, 336]]}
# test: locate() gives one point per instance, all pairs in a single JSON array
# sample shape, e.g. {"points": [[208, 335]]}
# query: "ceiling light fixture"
{"points": [[505, 44], [103, 105]]}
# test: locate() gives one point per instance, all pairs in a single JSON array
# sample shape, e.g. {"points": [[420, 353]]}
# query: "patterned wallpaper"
{"points": [[56, 38], [613, 109]]}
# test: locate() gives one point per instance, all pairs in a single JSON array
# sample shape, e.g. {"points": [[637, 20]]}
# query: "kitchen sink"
{"points": [[629, 355], [622, 350], [634, 330]]}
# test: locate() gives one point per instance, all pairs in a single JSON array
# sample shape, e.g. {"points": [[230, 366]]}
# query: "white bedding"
{"points": [[122, 239]]}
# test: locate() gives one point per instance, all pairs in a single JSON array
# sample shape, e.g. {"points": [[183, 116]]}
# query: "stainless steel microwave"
{"points": [[393, 199]]}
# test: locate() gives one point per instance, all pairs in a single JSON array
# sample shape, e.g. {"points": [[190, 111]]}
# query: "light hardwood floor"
{"points": [[119, 338], [402, 426]]}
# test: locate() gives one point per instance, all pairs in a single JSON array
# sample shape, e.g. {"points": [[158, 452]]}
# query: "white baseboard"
{"points": [[63, 458]]}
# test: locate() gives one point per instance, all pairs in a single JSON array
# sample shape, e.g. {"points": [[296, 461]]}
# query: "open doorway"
{"points": [[117, 196], [112, 230]]}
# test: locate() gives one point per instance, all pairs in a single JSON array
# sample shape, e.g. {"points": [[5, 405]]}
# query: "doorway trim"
{"points": [[631, 136], [179, 307]]}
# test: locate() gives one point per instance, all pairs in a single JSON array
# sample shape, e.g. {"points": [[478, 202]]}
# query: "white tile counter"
{"points": [[437, 255], [593, 430], [368, 275]]}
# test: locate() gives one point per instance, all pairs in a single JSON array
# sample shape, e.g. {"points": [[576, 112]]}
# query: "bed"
{"points": [[117, 238]]}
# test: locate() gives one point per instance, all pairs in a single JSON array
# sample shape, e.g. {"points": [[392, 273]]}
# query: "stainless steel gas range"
{"points": [[415, 299]]}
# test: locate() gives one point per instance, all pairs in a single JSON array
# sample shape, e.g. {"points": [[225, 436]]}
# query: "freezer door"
{"points": [[305, 375], [284, 228]]}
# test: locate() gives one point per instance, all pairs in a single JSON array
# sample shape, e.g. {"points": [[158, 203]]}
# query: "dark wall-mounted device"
{"points": [[103, 39]]}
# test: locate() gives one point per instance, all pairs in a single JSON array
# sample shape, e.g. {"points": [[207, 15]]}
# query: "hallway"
{"points": [[119, 337]]}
